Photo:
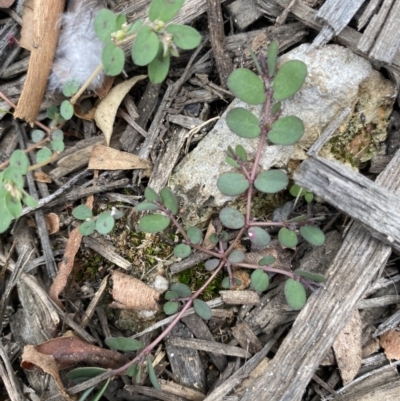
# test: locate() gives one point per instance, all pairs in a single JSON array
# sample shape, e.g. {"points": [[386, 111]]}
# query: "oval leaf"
{"points": [[231, 218], [87, 228], [236, 256], [66, 110], [295, 294], [202, 309], [145, 48], [287, 238], [182, 290], [29, 201], [159, 67], [247, 86], [243, 123], [13, 205], [113, 59], [185, 37], [171, 295], [272, 56], [182, 251], [271, 182], [318, 278], [313, 235], [194, 235], [105, 24], [241, 152], [124, 344], [171, 307], [152, 375], [258, 237], [164, 10], [37, 135], [289, 79], [70, 88], [79, 375], [151, 195], [19, 161], [82, 212], [153, 223], [57, 145], [105, 223], [267, 260], [169, 200], [141, 207], [232, 162], [232, 184], [211, 264], [259, 280], [42, 155], [286, 131]]}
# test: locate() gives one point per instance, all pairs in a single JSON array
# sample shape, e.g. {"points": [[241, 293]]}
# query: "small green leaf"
{"points": [[151, 195], [259, 280], [272, 56], [247, 86], [226, 282], [271, 181], [154, 223], [231, 218], [182, 290], [243, 123], [213, 238], [287, 238], [43, 155], [144, 206], [169, 200], [66, 110], [164, 10], [51, 112], [13, 174], [194, 235], [182, 251], [286, 131], [104, 223], [318, 278], [275, 108], [159, 67], [267, 260], [57, 134], [13, 205], [113, 59], [57, 145], [120, 19], [146, 45], [171, 295], [295, 294], [87, 228], [184, 37], [70, 87], [211, 264], [232, 184], [152, 373], [202, 309], [132, 370], [6, 218], [124, 344], [241, 152], [82, 212], [289, 79], [313, 235], [80, 375], [295, 190], [236, 256], [37, 135], [29, 201], [259, 237], [309, 197], [105, 23], [232, 162], [19, 161], [171, 307], [135, 27]]}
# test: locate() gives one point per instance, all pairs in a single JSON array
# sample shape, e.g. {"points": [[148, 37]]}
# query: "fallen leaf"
{"points": [[347, 348], [40, 176], [33, 359], [68, 351], [390, 342], [52, 223], [130, 293], [107, 109], [106, 158]]}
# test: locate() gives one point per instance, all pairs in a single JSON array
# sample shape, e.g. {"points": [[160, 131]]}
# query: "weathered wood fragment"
{"points": [[362, 199], [244, 12], [240, 297], [246, 338], [327, 311]]}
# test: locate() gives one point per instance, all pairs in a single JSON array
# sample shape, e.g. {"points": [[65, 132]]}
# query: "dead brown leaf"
{"points": [[347, 348], [106, 158], [107, 109], [33, 359], [52, 223], [130, 293], [40, 176], [390, 342]]}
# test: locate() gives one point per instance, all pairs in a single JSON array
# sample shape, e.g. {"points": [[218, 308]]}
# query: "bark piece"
{"points": [[246, 338], [240, 297], [244, 12], [390, 342]]}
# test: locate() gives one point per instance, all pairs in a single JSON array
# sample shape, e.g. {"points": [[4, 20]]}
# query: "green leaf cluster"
{"points": [[56, 144], [154, 42], [312, 234], [103, 223], [298, 191]]}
